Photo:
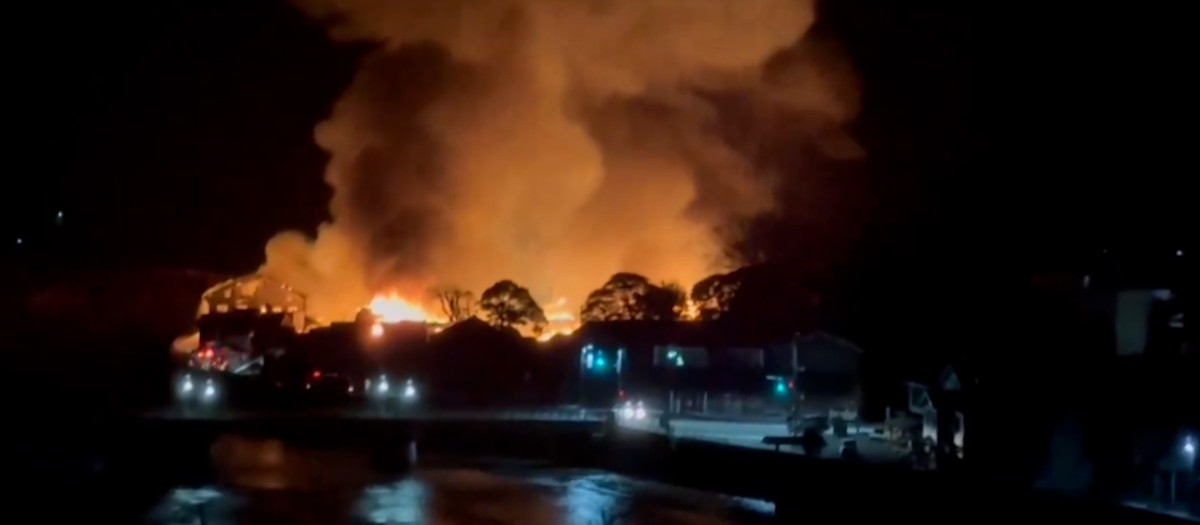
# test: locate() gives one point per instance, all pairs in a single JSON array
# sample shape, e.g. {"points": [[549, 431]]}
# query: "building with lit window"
{"points": [[826, 376], [699, 367]]}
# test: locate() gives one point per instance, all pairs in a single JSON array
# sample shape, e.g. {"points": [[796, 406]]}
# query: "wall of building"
{"points": [[827, 375], [254, 292]]}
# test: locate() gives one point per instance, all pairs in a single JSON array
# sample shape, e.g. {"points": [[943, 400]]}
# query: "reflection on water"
{"points": [[586, 498], [335, 489], [453, 497], [187, 506], [400, 502]]}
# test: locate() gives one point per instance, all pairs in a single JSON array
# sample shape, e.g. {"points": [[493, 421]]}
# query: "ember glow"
{"points": [[547, 335], [560, 320], [557, 312], [392, 308]]}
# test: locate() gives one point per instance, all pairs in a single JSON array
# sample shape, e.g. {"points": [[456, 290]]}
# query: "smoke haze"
{"points": [[557, 142]]}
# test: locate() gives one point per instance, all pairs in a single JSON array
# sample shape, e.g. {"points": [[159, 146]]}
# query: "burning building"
{"points": [[255, 292], [229, 309]]}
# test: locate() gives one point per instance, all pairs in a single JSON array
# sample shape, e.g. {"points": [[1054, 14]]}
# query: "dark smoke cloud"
{"points": [[557, 142]]}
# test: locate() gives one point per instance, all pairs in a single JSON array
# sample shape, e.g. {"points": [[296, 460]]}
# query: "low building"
{"points": [[236, 341], [826, 376], [695, 367], [255, 293]]}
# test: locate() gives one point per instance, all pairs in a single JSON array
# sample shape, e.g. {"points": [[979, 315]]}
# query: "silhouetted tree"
{"points": [[666, 301], [771, 299], [507, 304], [713, 294], [632, 297], [456, 303]]}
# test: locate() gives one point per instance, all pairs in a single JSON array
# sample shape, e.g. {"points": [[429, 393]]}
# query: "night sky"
{"points": [[179, 134]]}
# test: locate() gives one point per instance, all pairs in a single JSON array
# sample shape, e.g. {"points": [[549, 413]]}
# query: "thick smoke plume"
{"points": [[556, 142]]}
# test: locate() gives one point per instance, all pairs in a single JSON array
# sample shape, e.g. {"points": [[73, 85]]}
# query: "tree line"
{"points": [[761, 297]]}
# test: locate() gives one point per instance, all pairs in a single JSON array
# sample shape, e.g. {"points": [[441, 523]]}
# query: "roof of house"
{"points": [[822, 336], [685, 333], [948, 375], [474, 328]]}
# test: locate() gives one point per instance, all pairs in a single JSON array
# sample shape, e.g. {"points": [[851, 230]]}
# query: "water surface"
{"points": [[269, 482]]}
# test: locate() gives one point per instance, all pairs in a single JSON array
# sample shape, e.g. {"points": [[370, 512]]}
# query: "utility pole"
{"points": [[582, 373]]}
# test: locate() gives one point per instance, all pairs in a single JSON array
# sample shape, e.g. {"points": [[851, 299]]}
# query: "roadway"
{"points": [[740, 432], [750, 433]]}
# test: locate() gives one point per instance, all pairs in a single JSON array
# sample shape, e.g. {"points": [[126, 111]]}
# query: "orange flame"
{"points": [[392, 308], [560, 321], [691, 312], [549, 334]]}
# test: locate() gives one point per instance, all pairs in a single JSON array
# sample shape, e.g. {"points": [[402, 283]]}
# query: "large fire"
{"points": [[559, 320], [534, 154], [392, 308]]}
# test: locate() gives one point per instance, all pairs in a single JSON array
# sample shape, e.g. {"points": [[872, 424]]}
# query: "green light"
{"points": [[679, 361], [780, 387], [600, 361]]}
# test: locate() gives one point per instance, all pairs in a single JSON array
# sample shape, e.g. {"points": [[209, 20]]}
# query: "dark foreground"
{"points": [[498, 492], [129, 471]]}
